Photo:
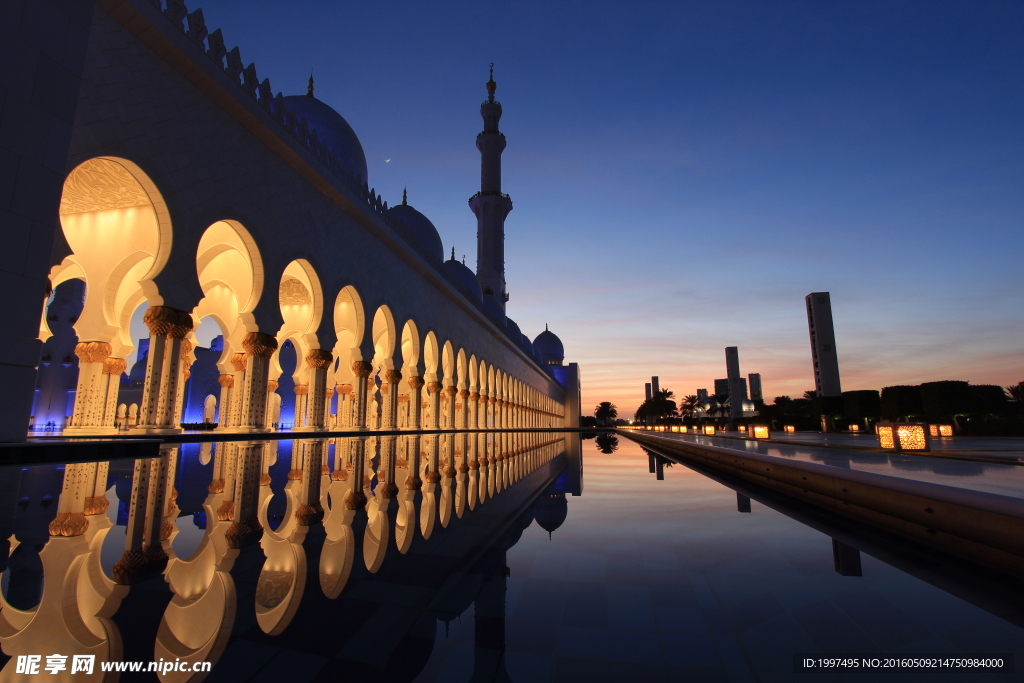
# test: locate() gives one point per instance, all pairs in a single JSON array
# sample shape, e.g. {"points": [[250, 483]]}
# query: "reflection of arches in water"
{"points": [[405, 521], [377, 534], [288, 359]]}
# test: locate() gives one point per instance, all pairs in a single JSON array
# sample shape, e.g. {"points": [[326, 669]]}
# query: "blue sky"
{"points": [[684, 173]]}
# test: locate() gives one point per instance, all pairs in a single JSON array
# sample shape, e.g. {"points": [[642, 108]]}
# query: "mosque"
{"points": [[238, 232]]}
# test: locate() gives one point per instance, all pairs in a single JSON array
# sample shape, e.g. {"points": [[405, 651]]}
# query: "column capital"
{"points": [[415, 382], [92, 352], [361, 368], [393, 376], [318, 358], [163, 321], [238, 362], [114, 366], [259, 344]]}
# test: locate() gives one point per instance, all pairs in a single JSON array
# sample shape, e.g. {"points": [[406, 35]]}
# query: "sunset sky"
{"points": [[685, 173]]}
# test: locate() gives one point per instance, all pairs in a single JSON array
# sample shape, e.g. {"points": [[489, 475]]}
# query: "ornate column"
{"points": [[238, 364], [389, 393], [99, 379], [415, 384], [167, 330], [318, 360], [462, 409], [433, 420], [301, 394], [449, 422], [248, 466], [259, 348], [362, 371], [144, 554], [272, 386], [474, 407], [186, 373], [227, 383], [344, 405]]}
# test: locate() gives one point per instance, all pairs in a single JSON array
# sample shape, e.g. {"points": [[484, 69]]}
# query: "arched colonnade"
{"points": [[386, 373]]}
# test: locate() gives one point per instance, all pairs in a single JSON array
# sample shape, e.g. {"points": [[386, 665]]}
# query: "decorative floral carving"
{"points": [[293, 293], [101, 185]]}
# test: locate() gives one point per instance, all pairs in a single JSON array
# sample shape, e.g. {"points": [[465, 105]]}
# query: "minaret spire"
{"points": [[489, 204], [405, 198], [309, 88]]}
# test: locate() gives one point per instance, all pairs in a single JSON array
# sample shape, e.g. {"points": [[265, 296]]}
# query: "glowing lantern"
{"points": [[709, 430], [741, 428], [682, 430], [940, 430], [903, 437], [854, 428], [789, 429], [759, 431]]}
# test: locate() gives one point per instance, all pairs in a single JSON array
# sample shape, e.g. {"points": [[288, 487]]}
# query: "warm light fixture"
{"points": [[903, 437], [854, 428], [709, 430], [940, 430], [682, 430], [741, 428], [789, 429], [759, 431]]}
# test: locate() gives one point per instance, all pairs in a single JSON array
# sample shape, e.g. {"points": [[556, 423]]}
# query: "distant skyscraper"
{"points": [[654, 385], [702, 395], [737, 385], [755, 386], [721, 387], [647, 388], [823, 344]]}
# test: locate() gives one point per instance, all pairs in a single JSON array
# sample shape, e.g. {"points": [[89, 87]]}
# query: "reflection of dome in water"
{"points": [[549, 346], [551, 512], [463, 278], [428, 242], [332, 129]]}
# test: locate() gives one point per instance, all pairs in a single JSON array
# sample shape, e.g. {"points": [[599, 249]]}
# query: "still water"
{"points": [[476, 557]]}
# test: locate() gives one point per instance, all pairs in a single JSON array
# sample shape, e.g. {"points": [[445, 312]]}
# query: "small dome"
{"points": [[332, 129], [462, 277], [514, 333], [492, 306], [527, 344], [423, 231], [549, 347], [551, 512]]}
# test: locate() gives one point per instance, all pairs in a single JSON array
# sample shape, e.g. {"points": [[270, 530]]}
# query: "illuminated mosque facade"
{"points": [[189, 195]]}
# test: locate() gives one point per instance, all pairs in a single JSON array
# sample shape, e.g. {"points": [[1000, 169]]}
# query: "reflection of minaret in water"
{"points": [[489, 620], [489, 204]]}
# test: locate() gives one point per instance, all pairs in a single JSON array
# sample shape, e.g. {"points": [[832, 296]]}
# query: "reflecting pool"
{"points": [[458, 557]]}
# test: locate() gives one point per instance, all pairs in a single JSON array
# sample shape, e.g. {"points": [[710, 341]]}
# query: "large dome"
{"points": [[332, 129], [428, 242], [549, 347], [463, 278]]}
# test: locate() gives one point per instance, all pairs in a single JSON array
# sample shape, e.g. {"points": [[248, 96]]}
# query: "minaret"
{"points": [[489, 204]]}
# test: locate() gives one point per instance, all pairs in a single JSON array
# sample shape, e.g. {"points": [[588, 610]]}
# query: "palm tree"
{"points": [[662, 404], [720, 405], [688, 406], [810, 394], [606, 411]]}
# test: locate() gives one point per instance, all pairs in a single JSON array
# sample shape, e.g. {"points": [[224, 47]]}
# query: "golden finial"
{"points": [[491, 85]]}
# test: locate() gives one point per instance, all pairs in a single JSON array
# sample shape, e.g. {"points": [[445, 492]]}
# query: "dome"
{"points": [[527, 344], [549, 347], [462, 277], [428, 242], [333, 130], [514, 333], [551, 512]]}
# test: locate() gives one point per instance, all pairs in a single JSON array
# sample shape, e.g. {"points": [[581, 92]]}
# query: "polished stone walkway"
{"points": [[1007, 480]]}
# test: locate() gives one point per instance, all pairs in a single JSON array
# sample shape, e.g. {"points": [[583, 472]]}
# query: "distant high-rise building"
{"points": [[755, 386], [647, 389], [721, 387], [823, 344], [737, 385], [702, 395], [654, 385]]}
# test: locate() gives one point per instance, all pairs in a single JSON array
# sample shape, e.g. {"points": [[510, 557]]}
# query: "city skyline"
{"points": [[684, 175]]}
